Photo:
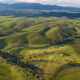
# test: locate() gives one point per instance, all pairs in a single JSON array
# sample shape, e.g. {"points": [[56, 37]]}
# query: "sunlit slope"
{"points": [[67, 72], [10, 72], [20, 30]]}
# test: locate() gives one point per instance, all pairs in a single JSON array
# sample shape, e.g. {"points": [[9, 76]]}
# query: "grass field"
{"points": [[51, 44], [9, 72]]}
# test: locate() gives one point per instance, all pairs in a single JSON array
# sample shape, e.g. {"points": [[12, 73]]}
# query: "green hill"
{"points": [[19, 31], [9, 72], [50, 44]]}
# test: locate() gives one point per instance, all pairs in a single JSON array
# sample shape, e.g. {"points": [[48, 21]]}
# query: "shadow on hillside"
{"points": [[2, 44]]}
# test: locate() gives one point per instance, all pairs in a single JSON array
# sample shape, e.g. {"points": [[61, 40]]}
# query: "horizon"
{"points": [[66, 3]]}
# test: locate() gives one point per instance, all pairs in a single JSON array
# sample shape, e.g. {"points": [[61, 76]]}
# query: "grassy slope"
{"points": [[19, 31], [39, 33], [9, 72], [67, 72]]}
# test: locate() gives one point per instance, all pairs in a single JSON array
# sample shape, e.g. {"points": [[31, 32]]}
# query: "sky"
{"points": [[71, 3]]}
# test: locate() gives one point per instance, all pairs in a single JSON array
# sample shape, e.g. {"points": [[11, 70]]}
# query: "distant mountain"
{"points": [[35, 6], [38, 10]]}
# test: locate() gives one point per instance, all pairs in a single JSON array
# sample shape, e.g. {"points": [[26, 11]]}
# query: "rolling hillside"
{"points": [[18, 31], [49, 46]]}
